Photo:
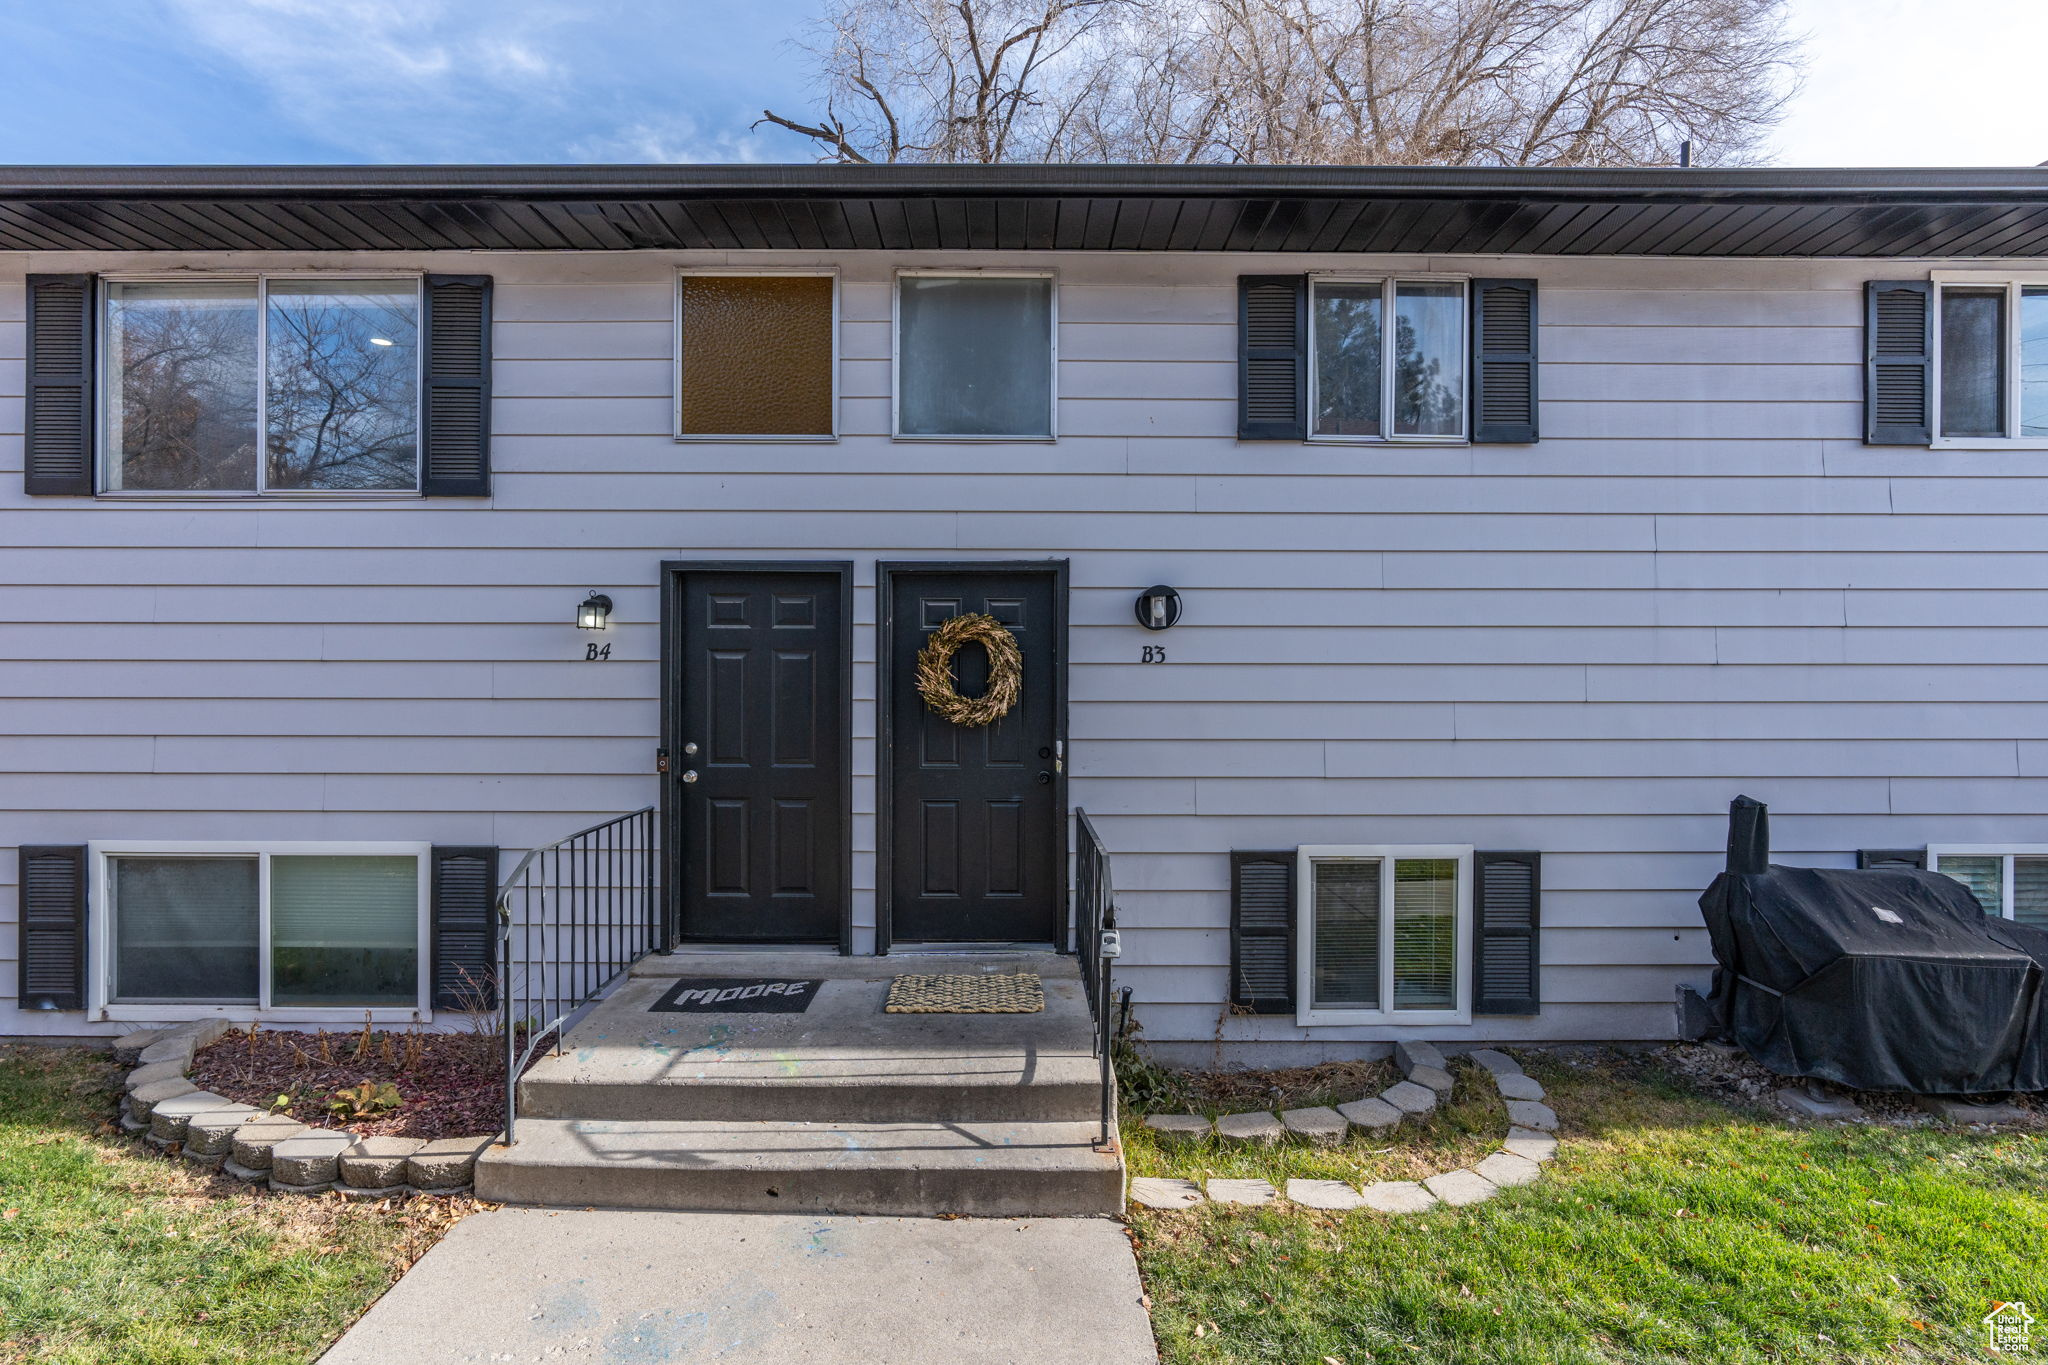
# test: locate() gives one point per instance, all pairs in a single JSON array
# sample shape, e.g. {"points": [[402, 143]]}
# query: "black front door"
{"points": [[974, 815], [757, 753]]}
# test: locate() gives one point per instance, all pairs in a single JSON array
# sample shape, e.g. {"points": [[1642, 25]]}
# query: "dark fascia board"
{"points": [[1669, 184]]}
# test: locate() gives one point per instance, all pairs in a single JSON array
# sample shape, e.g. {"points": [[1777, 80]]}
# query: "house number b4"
{"points": [[594, 653]]}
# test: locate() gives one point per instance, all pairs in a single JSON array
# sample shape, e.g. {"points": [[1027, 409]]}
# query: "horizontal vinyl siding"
{"points": [[1699, 583]]}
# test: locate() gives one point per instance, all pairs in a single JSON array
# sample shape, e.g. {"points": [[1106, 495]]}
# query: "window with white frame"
{"points": [[261, 384], [975, 354], [1386, 932], [1991, 359], [1387, 358], [2009, 881], [285, 927], [757, 355]]}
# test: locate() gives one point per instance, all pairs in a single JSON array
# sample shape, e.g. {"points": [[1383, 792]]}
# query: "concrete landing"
{"points": [[983, 1169], [750, 1289], [843, 1060]]}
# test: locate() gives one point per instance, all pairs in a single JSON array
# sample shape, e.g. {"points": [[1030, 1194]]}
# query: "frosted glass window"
{"points": [[344, 931], [974, 356], [1348, 348], [1425, 933], [1429, 359], [2034, 362], [1984, 876], [184, 929], [1973, 362], [1346, 965], [341, 406], [181, 377], [757, 355]]}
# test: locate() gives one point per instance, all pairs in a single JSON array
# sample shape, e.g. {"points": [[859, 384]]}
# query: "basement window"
{"points": [[2009, 881], [265, 384], [1387, 359], [1991, 360], [1387, 932], [298, 929], [757, 355]]}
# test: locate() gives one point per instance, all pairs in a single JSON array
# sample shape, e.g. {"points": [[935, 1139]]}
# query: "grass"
{"points": [[1671, 1228], [109, 1253]]}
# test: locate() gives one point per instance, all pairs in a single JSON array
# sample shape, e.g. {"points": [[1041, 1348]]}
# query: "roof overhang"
{"points": [[1665, 211]]}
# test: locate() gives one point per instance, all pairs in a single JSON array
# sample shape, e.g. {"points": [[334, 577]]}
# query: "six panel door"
{"points": [[761, 800], [974, 812]]}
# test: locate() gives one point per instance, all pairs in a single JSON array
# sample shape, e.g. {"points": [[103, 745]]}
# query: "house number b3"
{"points": [[1154, 654]]}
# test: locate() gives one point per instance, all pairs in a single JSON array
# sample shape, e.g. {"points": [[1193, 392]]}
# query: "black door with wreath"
{"points": [[974, 845]]}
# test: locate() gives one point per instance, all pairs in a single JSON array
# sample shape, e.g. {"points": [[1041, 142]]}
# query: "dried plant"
{"points": [[476, 999], [326, 1047], [366, 1043]]}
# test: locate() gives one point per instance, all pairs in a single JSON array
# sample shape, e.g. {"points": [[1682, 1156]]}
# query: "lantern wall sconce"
{"points": [[593, 612], [1158, 607]]}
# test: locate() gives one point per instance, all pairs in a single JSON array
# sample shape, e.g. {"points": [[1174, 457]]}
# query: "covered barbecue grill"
{"points": [[1876, 980]]}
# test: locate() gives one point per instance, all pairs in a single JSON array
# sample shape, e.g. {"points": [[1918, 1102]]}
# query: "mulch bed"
{"points": [[1735, 1075], [1289, 1087], [449, 1084]]}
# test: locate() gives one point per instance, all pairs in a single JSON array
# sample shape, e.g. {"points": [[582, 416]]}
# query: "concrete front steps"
{"points": [[840, 1109], [991, 1170]]}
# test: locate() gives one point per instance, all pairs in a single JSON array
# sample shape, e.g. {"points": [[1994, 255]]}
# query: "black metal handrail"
{"points": [[1095, 915], [572, 918]]}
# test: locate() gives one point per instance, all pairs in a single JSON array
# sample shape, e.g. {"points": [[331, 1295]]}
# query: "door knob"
{"points": [[689, 774]]}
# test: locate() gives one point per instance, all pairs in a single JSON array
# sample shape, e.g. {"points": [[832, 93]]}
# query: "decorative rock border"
{"points": [[1529, 1144], [218, 1134]]}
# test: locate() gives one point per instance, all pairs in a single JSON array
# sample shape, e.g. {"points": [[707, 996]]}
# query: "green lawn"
{"points": [[1670, 1228], [111, 1254]]}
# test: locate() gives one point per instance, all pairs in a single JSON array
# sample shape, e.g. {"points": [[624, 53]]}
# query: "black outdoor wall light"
{"points": [[593, 611], [1158, 607]]}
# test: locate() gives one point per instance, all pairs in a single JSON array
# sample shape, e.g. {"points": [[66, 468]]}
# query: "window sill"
{"points": [[693, 438], [1985, 443], [922, 438], [125, 1012], [309, 495], [1400, 442], [1327, 1018]]}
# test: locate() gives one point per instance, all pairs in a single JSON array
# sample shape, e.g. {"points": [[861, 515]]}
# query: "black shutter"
{"points": [[1891, 859], [57, 449], [1262, 931], [52, 927], [1508, 902], [1503, 362], [1272, 357], [465, 894], [1898, 362], [455, 452]]}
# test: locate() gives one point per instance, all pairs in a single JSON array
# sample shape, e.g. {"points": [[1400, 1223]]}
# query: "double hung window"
{"points": [[1387, 359], [1991, 359], [287, 927], [1387, 932]]}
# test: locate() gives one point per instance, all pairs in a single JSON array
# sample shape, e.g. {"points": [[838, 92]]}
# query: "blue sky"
{"points": [[1891, 82]]}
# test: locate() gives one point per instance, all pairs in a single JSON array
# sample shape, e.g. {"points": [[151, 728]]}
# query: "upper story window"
{"points": [[757, 355], [1387, 359], [975, 355], [1991, 349], [285, 384], [1388, 934]]}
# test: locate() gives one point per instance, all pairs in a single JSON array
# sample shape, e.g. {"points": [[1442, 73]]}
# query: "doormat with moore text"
{"points": [[737, 995]]}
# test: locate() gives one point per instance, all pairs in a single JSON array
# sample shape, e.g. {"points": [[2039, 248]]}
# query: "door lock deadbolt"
{"points": [[691, 747]]}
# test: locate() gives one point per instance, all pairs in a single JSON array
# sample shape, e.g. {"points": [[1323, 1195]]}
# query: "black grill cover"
{"points": [[1877, 980]]}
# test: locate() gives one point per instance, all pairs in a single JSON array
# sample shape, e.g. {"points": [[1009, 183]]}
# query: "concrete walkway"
{"points": [[634, 1288]]}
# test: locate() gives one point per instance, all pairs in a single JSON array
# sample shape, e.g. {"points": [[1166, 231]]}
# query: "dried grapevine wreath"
{"points": [[935, 681]]}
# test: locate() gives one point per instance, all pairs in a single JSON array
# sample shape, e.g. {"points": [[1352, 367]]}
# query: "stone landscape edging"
{"points": [[1530, 1143], [164, 1107]]}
